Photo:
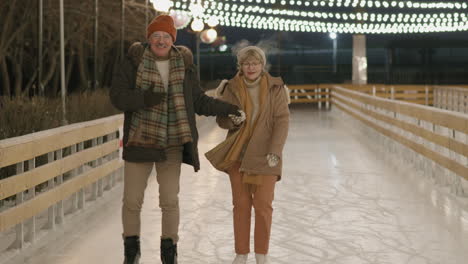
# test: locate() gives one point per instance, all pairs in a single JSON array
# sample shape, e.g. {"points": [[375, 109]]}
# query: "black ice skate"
{"points": [[132, 250], [168, 251]]}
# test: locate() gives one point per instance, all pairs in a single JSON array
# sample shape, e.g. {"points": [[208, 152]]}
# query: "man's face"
{"points": [[161, 43]]}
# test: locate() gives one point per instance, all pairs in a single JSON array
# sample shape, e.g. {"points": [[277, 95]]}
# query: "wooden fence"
{"points": [[453, 98], [438, 138], [310, 93], [417, 94], [321, 93], [56, 172]]}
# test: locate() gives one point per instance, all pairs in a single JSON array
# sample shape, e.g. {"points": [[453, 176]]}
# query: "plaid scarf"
{"points": [[166, 124]]}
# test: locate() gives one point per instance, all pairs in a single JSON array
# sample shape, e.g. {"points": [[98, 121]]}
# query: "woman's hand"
{"points": [[238, 119], [272, 159]]}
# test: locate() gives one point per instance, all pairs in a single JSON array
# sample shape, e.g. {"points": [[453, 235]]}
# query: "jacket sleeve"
{"points": [[223, 121], [123, 94], [280, 122], [206, 105]]}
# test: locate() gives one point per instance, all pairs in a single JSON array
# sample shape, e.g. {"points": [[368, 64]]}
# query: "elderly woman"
{"points": [[252, 151]]}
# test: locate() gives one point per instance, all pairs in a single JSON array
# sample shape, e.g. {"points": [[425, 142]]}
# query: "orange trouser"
{"points": [[242, 200]]}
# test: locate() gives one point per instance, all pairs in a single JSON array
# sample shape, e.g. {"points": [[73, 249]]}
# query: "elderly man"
{"points": [[156, 85]]}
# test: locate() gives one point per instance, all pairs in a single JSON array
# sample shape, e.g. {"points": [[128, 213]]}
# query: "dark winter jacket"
{"points": [[125, 97]]}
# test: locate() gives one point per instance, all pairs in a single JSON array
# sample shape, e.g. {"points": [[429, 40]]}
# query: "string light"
{"points": [[384, 4], [364, 16], [318, 14], [240, 20]]}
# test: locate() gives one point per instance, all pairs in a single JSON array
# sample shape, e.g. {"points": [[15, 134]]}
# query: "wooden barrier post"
{"points": [[31, 236], [50, 186], [19, 242], [94, 164], [319, 96], [327, 96], [426, 90], [81, 193], [60, 212], [100, 161], [73, 173]]}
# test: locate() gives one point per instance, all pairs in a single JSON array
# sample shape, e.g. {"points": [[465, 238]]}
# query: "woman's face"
{"points": [[252, 68]]}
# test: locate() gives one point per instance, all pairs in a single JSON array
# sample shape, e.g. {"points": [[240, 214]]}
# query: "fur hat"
{"points": [[162, 23], [256, 49]]}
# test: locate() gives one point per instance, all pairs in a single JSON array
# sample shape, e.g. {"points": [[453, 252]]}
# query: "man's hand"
{"points": [[239, 118], [153, 98], [272, 159], [232, 110]]}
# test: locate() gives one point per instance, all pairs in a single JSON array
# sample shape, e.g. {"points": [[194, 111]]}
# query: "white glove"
{"points": [[272, 159], [237, 120]]}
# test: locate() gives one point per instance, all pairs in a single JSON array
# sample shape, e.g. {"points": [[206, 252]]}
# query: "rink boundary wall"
{"points": [[82, 161], [440, 136], [454, 98]]}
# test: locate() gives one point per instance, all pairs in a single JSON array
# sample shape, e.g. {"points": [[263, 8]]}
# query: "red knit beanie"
{"points": [[162, 23]]}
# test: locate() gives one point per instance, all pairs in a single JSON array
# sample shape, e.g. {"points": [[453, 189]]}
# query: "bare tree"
{"points": [[19, 36]]}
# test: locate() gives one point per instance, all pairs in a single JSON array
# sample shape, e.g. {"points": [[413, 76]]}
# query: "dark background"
{"points": [[436, 58]]}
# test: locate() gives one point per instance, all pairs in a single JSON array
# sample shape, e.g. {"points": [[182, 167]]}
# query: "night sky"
{"points": [[321, 40]]}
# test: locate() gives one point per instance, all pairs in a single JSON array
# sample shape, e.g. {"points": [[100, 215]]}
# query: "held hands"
{"points": [[272, 159], [238, 119]]}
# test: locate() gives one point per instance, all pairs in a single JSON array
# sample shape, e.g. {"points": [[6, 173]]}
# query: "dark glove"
{"points": [[153, 98], [233, 110]]}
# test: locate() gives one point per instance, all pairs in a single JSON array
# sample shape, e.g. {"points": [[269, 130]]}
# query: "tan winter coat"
{"points": [[271, 130]]}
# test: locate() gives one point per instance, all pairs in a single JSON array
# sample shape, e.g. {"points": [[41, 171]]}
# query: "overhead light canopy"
{"points": [[181, 18], [208, 36], [339, 16], [162, 5], [197, 25]]}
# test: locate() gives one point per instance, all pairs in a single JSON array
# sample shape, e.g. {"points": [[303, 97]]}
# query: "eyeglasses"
{"points": [[250, 64], [163, 37]]}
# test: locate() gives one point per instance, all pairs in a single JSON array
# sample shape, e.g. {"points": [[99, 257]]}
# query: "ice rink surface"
{"points": [[338, 203]]}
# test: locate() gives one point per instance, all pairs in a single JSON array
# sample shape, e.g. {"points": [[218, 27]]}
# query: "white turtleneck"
{"points": [[254, 91], [163, 68]]}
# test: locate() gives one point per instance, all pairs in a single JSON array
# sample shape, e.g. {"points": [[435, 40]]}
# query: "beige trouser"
{"points": [[243, 201], [135, 182]]}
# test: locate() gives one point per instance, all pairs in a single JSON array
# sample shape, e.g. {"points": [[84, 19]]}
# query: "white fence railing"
{"points": [[55, 173], [451, 98], [310, 93], [434, 141]]}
